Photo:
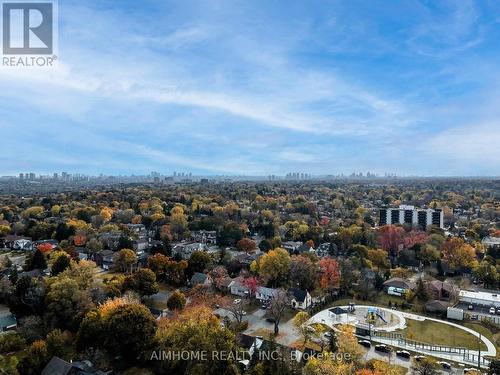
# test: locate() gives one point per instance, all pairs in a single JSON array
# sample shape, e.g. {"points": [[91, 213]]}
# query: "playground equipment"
{"points": [[373, 313], [351, 307]]}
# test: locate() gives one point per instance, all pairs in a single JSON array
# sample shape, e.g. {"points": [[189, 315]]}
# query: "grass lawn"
{"points": [[440, 334]]}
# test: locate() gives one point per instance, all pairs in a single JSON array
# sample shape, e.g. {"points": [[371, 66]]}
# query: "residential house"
{"points": [[17, 242], [246, 259], [291, 246], [304, 248], [186, 249], [58, 366], [397, 286], [491, 242], [199, 278], [323, 249], [250, 345], [265, 294], [140, 245], [237, 288], [104, 259], [204, 236], [138, 229], [110, 240], [440, 290], [8, 321], [225, 284], [299, 299]]}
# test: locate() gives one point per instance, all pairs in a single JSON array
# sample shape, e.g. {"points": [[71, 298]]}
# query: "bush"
{"points": [[11, 342], [238, 327]]}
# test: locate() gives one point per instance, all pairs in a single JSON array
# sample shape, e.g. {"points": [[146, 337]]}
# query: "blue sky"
{"points": [[261, 87]]}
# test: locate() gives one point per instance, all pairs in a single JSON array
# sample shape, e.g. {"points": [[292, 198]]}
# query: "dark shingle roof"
{"points": [[298, 294]]}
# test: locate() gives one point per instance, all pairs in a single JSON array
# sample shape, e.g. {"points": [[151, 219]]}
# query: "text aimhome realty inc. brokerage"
{"points": [[275, 355]]}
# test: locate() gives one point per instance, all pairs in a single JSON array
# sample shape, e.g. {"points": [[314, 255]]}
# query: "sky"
{"points": [[260, 87]]}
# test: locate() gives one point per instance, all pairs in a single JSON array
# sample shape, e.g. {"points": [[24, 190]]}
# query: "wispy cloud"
{"points": [[235, 89]]}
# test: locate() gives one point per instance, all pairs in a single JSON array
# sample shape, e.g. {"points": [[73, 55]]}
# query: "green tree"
{"points": [[176, 301], [61, 263], [143, 282], [198, 262], [124, 259]]}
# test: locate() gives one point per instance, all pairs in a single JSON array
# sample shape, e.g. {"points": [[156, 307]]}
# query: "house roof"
{"points": [[198, 278], [298, 294], [7, 321], [245, 341], [57, 366], [437, 305], [438, 285], [267, 291], [398, 283], [338, 311], [226, 282]]}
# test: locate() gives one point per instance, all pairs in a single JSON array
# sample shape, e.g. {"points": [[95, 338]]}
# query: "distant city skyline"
{"points": [[260, 88]]}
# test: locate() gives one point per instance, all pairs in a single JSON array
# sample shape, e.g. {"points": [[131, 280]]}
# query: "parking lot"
{"points": [[478, 310]]}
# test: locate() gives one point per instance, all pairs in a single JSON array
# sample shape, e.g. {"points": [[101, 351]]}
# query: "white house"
{"points": [[299, 299]]}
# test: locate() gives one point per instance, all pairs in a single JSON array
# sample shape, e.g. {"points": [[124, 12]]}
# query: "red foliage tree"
{"points": [[414, 237], [45, 247], [252, 284], [330, 274], [390, 238]]}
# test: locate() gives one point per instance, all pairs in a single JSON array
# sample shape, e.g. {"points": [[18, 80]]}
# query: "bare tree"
{"points": [[425, 367], [276, 308], [237, 309]]}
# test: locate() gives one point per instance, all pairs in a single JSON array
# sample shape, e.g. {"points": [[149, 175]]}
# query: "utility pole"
{"points": [[479, 355]]}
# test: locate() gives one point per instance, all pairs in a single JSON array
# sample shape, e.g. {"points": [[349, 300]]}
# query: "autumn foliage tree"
{"points": [[390, 238], [457, 253], [246, 245], [274, 266], [329, 274]]}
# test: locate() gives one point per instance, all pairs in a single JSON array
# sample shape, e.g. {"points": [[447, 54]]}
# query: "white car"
{"points": [[237, 301], [492, 310]]}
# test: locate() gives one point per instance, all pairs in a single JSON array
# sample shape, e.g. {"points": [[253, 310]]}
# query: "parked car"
{"points": [[365, 343], [445, 365], [243, 312], [470, 307], [474, 317], [498, 311], [237, 301], [492, 310], [383, 348], [264, 307], [418, 358], [328, 334], [403, 353]]}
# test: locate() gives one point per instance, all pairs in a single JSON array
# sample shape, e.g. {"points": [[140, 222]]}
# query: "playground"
{"points": [[417, 333], [377, 318]]}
